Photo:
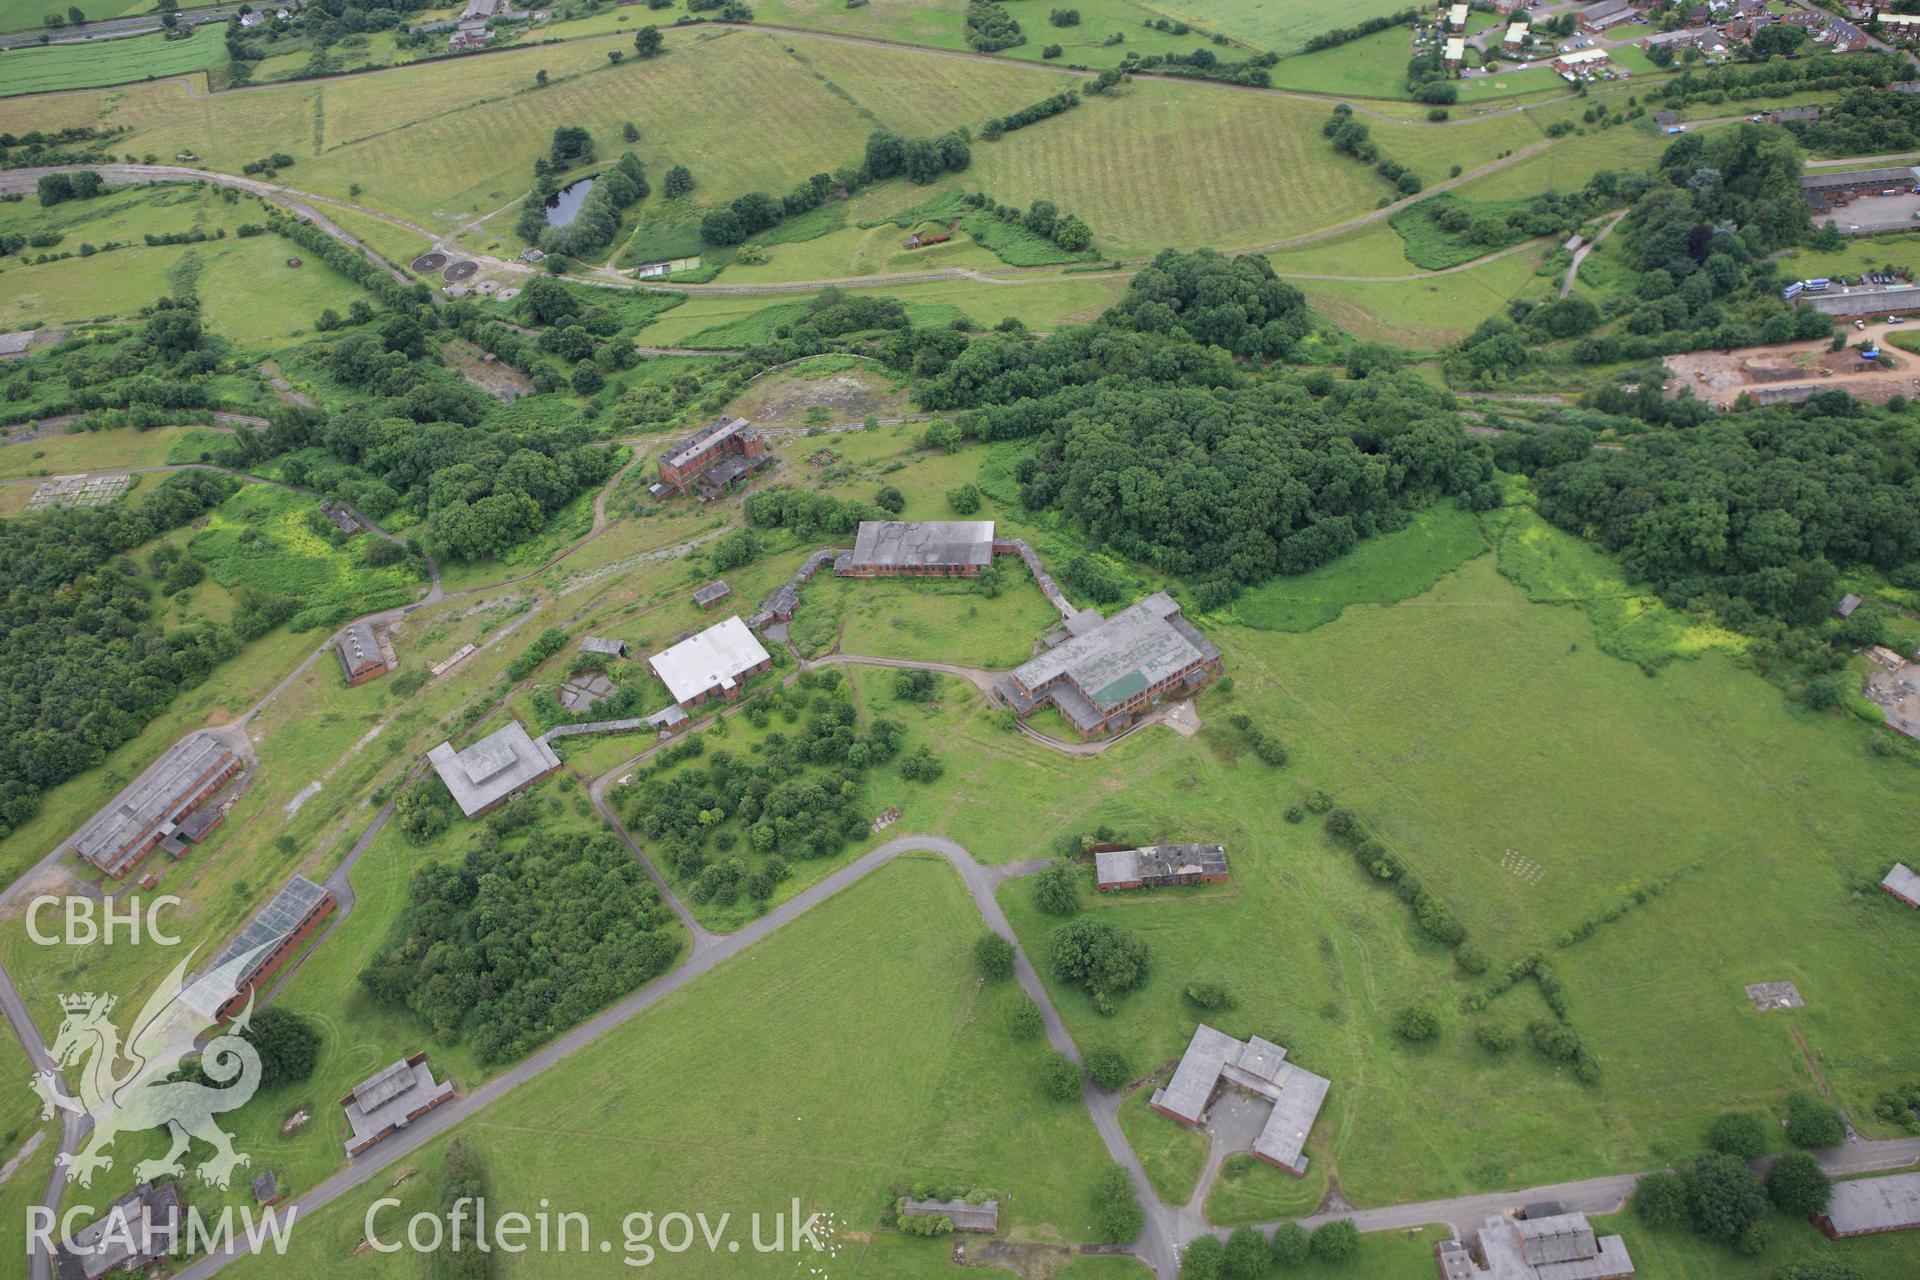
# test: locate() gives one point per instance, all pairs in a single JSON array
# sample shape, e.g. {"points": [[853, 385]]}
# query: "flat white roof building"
{"points": [[710, 664]]}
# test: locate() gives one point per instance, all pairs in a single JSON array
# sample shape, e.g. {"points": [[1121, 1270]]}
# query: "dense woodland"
{"points": [[1754, 513], [1161, 448], [509, 946], [84, 661]]}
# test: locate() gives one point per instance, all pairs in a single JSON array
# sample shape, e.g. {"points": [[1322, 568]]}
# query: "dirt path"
{"points": [[1580, 254]]}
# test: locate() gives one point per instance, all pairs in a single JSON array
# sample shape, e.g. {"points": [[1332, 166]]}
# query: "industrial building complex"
{"points": [[1215, 1060], [1105, 673], [149, 811], [1536, 1246], [140, 1229], [494, 769], [712, 460]]}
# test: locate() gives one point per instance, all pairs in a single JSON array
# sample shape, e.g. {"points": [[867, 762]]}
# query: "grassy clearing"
{"points": [[25, 15], [1280, 28], [83, 66], [926, 618], [759, 325], [261, 540], [908, 1073], [94, 451], [1373, 66], [1383, 570], [1249, 1190], [1682, 1255], [1172, 1154], [1425, 315]]}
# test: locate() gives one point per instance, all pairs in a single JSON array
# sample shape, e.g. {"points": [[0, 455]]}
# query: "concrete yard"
{"points": [[1792, 371], [1868, 214]]}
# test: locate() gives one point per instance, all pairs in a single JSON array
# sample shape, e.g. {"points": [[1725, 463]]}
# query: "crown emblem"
{"points": [[81, 1003]]}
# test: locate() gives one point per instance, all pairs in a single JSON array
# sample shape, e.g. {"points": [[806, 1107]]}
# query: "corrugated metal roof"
{"points": [[923, 544], [1875, 1204]]}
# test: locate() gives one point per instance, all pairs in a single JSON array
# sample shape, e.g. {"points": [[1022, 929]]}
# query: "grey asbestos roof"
{"points": [[1903, 881], [1260, 1067], [386, 1099], [266, 1187], [492, 768], [232, 967], [1867, 303], [1155, 861], [1187, 1094], [1859, 178], [1135, 649], [966, 1217], [1456, 1263], [600, 644], [715, 657], [152, 796], [1848, 603], [139, 1227], [1557, 1248], [713, 591], [358, 648], [1875, 1204], [1284, 1136], [923, 543], [705, 438]]}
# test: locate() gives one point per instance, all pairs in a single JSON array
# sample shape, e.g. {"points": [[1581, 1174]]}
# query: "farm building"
{"points": [[711, 664], [604, 647], [492, 770], [1870, 1206], [715, 457], [1555, 1247], [140, 1229], [1903, 884], [1607, 13], [267, 1191], [1159, 865], [1257, 1067], [711, 594], [1105, 675], [983, 1218], [361, 658], [391, 1099], [149, 811], [258, 950], [1826, 190], [918, 549]]}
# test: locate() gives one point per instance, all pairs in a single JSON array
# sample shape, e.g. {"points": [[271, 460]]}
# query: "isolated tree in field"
{"points": [[1107, 960], [1798, 1185], [965, 500], [1660, 1200], [1493, 1037], [1724, 1195], [53, 188], [1204, 1260], [1056, 889], [1116, 1209], [1059, 1078], [540, 77], [679, 181], [1107, 1067], [630, 132], [1812, 1123], [616, 56], [1739, 1133], [1247, 1257], [1416, 1023], [1291, 1244], [75, 16], [287, 1043], [647, 43], [1336, 1242], [890, 500], [994, 955], [1024, 1021]]}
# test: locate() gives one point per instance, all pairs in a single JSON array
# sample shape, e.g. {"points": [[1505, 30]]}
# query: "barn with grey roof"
{"points": [[360, 654], [919, 549], [140, 1229], [1254, 1066], [492, 770], [391, 1099], [1159, 865], [1870, 1206], [1104, 676], [983, 1217], [149, 811]]}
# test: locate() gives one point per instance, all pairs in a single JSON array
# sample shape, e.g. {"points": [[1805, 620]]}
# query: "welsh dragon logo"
{"points": [[129, 1086]]}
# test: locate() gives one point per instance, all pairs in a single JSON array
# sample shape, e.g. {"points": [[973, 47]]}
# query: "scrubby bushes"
{"points": [[994, 956], [1107, 961]]}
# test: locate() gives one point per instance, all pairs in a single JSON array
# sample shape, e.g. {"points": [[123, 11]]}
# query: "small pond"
{"points": [[567, 201]]}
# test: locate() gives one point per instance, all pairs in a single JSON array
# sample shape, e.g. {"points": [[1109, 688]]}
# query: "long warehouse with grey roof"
{"points": [[150, 809], [259, 949], [1105, 675], [1869, 1206], [918, 549]]}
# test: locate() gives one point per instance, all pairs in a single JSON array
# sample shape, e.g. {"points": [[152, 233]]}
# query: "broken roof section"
{"points": [[1136, 649], [493, 768], [152, 799], [714, 433], [1159, 862], [235, 964], [602, 645], [714, 659], [919, 544]]}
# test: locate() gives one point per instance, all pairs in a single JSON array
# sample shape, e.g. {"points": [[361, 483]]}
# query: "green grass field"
{"points": [[25, 15], [907, 1072], [1270, 24], [259, 540], [1427, 314], [83, 66], [60, 455], [1383, 570]]}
